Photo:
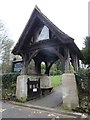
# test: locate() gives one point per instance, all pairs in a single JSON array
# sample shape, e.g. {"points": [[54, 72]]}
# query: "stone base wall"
{"points": [[21, 87], [45, 80], [69, 89]]}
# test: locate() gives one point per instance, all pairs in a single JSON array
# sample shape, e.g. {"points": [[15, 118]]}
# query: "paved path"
{"points": [[52, 100]]}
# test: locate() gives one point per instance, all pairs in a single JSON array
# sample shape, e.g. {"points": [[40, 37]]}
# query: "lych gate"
{"points": [[42, 41]]}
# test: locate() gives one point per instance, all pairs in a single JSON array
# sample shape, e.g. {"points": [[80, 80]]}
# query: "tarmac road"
{"points": [[13, 111], [8, 110]]}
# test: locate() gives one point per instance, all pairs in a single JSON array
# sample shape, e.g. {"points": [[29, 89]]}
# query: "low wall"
{"points": [[21, 87], [45, 81], [69, 89]]}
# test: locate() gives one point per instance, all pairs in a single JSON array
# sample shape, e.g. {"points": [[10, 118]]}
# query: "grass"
{"points": [[56, 80]]}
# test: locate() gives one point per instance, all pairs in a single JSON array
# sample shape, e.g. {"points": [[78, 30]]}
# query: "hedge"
{"points": [[8, 80]]}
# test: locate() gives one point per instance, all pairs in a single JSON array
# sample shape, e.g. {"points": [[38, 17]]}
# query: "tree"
{"points": [[86, 51], [86, 54], [5, 49]]}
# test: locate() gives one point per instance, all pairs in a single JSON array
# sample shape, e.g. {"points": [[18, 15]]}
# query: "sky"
{"points": [[70, 16]]}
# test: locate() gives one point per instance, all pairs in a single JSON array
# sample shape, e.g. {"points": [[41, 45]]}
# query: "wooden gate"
{"points": [[33, 88]]}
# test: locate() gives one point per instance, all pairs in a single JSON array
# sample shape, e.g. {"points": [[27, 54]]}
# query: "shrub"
{"points": [[8, 85], [9, 80], [83, 89], [82, 79]]}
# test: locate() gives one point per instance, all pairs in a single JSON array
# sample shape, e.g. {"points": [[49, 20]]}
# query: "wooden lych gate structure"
{"points": [[42, 41]]}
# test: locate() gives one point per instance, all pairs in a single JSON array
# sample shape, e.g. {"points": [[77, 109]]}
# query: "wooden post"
{"points": [[26, 60], [25, 68], [78, 64], [35, 66], [67, 60], [38, 67], [75, 62], [48, 66], [47, 70], [25, 65]]}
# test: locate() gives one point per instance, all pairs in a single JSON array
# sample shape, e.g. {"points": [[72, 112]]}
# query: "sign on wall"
{"points": [[17, 66]]}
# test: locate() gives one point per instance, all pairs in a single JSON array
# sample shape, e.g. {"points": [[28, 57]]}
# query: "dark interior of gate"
{"points": [[42, 41]]}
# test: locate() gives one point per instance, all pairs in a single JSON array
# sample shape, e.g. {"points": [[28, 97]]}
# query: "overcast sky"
{"points": [[70, 16]]}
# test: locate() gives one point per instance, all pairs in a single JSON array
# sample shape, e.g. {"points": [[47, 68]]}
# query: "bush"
{"points": [[8, 85], [82, 79], [9, 80], [83, 89]]}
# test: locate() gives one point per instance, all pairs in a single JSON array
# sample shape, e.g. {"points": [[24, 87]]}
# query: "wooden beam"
{"points": [[26, 60], [42, 44]]}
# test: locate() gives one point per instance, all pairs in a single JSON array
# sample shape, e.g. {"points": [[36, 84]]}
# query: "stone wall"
{"points": [[21, 87], [69, 89]]}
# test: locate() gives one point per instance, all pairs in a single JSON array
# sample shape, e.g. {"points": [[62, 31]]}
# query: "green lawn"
{"points": [[56, 80]]}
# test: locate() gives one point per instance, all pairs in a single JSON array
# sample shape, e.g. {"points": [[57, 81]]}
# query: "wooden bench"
{"points": [[49, 89]]}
